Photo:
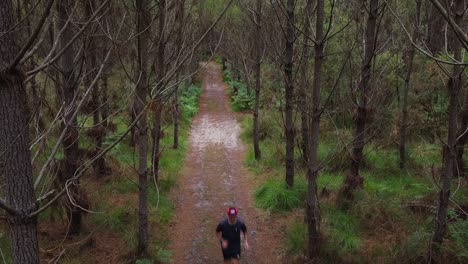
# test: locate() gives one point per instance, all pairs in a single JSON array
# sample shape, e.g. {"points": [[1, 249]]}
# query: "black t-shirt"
{"points": [[231, 233]]}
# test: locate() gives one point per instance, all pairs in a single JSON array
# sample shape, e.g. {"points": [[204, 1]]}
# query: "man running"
{"points": [[228, 233]]}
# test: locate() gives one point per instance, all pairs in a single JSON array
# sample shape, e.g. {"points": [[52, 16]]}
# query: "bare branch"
{"points": [[33, 37], [6, 207], [59, 54]]}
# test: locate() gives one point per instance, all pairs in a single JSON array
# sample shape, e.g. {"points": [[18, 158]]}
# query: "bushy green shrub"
{"points": [[189, 101], [415, 248], [458, 234], [343, 232], [240, 99], [116, 219], [276, 196], [297, 235]]}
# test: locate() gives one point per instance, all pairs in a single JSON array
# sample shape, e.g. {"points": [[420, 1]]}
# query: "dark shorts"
{"points": [[231, 255]]}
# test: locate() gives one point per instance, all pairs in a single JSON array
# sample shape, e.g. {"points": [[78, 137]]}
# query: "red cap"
{"points": [[232, 211]]}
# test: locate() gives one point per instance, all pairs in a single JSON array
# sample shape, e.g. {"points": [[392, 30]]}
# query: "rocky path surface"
{"points": [[213, 179]]}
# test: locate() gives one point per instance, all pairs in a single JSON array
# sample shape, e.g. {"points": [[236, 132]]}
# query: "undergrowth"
{"points": [[380, 224]]}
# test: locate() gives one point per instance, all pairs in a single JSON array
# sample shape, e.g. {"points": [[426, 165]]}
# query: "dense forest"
{"points": [[343, 140]]}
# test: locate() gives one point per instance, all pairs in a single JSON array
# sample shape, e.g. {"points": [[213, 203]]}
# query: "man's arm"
{"points": [[244, 231], [219, 235]]}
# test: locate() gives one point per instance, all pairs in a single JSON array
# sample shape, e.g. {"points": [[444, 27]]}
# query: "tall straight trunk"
{"points": [[180, 16], [99, 129], [258, 61], [141, 137], [15, 157], [409, 56], [71, 141], [303, 102], [454, 87], [463, 137], [435, 31], [105, 100], [353, 179], [288, 70], [160, 72], [313, 210], [175, 115]]}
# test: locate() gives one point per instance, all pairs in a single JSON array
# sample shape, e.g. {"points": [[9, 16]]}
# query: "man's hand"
{"points": [[246, 245], [224, 243]]}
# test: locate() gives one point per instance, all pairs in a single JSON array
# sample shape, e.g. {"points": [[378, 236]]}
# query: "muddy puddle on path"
{"points": [[213, 179]]}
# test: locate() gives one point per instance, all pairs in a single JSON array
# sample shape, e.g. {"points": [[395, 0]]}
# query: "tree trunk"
{"points": [[99, 130], [141, 137], [180, 18], [105, 100], [258, 61], [175, 115], [463, 135], [404, 107], [160, 72], [156, 141], [15, 160], [454, 87], [436, 31], [313, 210], [409, 71], [353, 179], [303, 102], [71, 141], [288, 69]]}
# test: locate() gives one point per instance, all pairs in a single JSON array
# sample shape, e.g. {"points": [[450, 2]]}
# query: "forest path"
{"points": [[213, 179]]}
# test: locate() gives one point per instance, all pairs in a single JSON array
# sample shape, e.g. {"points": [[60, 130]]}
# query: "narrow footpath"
{"points": [[213, 179]]}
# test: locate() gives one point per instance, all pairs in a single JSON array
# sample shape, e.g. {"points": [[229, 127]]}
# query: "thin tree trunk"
{"points": [[99, 129], [71, 141], [404, 108], [288, 69], [15, 160], [409, 71], [353, 179], [141, 139], [435, 31], [160, 72], [303, 102], [454, 87], [175, 115], [105, 100], [258, 61], [180, 17], [463, 135], [313, 210]]}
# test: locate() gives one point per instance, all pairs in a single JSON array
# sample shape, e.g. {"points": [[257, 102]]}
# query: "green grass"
{"points": [[458, 245], [121, 186], [425, 155], [275, 196], [400, 186], [296, 238], [5, 247], [160, 206], [330, 181], [117, 219], [342, 230]]}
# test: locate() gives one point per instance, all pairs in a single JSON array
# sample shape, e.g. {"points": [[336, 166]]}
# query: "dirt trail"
{"points": [[213, 179]]}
